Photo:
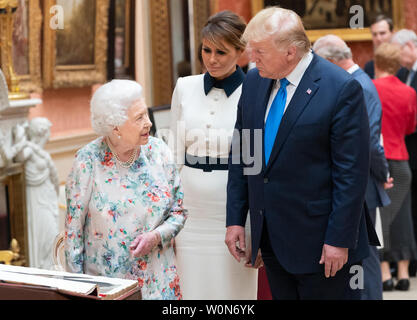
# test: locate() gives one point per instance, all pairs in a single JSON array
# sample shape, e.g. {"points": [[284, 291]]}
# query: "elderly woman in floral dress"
{"points": [[124, 197]]}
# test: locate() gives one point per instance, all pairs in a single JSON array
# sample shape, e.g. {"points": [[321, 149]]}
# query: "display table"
{"points": [[20, 283]]}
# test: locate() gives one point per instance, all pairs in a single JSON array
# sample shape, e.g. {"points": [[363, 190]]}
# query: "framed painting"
{"points": [[124, 39], [25, 45], [75, 52], [321, 17]]}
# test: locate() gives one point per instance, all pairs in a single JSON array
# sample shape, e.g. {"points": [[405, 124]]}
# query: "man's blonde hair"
{"points": [[284, 25]]}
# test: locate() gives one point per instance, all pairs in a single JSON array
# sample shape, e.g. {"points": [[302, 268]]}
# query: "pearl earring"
{"points": [[119, 137]]}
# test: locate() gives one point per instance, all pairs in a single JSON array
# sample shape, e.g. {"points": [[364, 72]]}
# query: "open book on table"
{"points": [[69, 283]]}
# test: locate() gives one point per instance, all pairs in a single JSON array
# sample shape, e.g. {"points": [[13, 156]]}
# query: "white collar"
{"points": [[353, 68], [296, 75]]}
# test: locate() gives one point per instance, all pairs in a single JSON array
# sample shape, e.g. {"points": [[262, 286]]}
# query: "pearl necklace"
{"points": [[124, 164]]}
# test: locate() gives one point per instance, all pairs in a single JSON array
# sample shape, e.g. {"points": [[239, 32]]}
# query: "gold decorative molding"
{"points": [[161, 52], [9, 256], [214, 6], [76, 75], [14, 179], [201, 12], [7, 18], [32, 82]]}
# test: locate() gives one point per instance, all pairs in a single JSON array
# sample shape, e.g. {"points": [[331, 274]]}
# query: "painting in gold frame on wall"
{"points": [[79, 17], [26, 49], [322, 17], [76, 55], [123, 33]]}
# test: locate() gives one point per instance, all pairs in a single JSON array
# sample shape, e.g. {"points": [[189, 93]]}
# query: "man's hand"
{"points": [[389, 184], [144, 243], [334, 258], [236, 235]]}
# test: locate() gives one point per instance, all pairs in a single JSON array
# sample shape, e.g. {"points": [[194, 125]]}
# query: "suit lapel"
{"points": [[305, 91]]}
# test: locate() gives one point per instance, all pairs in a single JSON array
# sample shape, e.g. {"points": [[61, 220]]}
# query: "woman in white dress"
{"points": [[203, 114]]}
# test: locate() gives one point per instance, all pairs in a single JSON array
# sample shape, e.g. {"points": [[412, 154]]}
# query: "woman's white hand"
{"points": [[144, 243]]}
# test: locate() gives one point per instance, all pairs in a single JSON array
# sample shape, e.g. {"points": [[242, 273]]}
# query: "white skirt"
{"points": [[206, 268]]}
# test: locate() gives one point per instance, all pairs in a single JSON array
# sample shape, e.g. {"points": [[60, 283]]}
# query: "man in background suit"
{"points": [[335, 50], [381, 29], [407, 39], [307, 119]]}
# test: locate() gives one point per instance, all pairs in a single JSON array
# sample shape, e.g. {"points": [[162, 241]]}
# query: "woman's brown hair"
{"points": [[225, 26], [387, 58]]}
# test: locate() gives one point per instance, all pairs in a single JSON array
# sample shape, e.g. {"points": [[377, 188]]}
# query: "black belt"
{"points": [[207, 164]]}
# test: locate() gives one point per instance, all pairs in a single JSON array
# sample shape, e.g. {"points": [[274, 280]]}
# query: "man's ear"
{"points": [[291, 52], [410, 45]]}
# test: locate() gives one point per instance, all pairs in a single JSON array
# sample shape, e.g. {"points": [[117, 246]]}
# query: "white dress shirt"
{"points": [[294, 79]]}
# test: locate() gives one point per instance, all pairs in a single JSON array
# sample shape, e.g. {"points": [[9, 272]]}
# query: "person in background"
{"points": [[399, 109], [124, 197], [407, 39], [382, 29], [335, 50], [203, 113]]}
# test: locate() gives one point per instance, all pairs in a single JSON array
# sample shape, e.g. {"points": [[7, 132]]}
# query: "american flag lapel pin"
{"points": [[308, 91]]}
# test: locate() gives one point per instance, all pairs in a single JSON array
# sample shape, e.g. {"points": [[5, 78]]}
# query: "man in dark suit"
{"points": [[382, 29], [305, 120], [407, 39], [335, 50]]}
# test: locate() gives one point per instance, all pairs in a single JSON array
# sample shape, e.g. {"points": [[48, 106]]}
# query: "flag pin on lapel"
{"points": [[308, 91]]}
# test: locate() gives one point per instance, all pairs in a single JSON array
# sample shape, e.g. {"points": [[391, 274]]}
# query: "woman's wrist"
{"points": [[157, 236]]}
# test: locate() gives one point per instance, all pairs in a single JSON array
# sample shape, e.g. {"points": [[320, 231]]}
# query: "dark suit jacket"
{"points": [[312, 190], [370, 69], [375, 194], [411, 140]]}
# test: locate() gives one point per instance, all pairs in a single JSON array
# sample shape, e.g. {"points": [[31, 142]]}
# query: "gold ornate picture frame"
{"points": [[346, 34], [73, 74], [26, 40]]}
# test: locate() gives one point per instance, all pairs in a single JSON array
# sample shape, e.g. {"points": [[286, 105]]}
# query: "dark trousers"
{"points": [[372, 271], [413, 263], [313, 286]]}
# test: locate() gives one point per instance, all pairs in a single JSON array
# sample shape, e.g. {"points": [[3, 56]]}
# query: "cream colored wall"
{"points": [[143, 48]]}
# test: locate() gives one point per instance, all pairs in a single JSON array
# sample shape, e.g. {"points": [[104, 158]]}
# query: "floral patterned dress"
{"points": [[108, 206]]}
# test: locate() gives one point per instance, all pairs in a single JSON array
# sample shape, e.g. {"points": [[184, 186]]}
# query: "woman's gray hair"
{"points": [[331, 47], [403, 36], [284, 25], [110, 104]]}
